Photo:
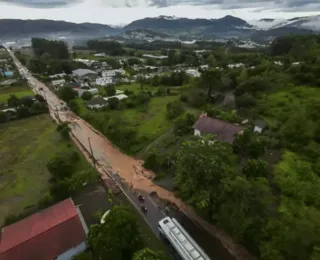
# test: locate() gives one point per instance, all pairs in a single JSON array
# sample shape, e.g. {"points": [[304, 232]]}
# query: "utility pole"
{"points": [[93, 159], [57, 114]]}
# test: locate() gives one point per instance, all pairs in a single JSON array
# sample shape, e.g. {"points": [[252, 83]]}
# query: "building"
{"points": [[120, 97], [58, 82], [84, 73], [100, 55], [193, 73], [58, 232], [112, 73], [236, 65], [224, 131], [160, 57], [104, 81], [259, 126], [8, 74], [61, 75], [97, 103], [93, 91]]}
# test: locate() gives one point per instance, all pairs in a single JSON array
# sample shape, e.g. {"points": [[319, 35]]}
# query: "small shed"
{"points": [[259, 126]]}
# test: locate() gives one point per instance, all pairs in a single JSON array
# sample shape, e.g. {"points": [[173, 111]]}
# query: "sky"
{"points": [[120, 12]]}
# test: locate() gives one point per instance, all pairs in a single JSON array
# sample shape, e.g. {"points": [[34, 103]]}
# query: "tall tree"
{"points": [[118, 238]]}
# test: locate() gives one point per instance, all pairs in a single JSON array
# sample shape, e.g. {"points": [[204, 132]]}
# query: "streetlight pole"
{"points": [[93, 159]]}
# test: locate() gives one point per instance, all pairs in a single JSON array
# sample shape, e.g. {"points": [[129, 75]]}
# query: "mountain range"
{"points": [[226, 27]]}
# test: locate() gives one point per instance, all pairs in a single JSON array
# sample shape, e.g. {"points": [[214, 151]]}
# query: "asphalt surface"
{"points": [[155, 208]]}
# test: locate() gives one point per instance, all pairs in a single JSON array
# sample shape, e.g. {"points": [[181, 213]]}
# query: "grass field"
{"points": [[19, 91], [25, 148]]}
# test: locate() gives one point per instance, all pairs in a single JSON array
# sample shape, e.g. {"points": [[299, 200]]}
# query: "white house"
{"points": [[160, 57], [193, 73], [84, 73], [93, 91], [58, 82], [100, 55], [60, 75], [120, 97], [112, 73], [259, 126], [236, 65], [104, 81]]}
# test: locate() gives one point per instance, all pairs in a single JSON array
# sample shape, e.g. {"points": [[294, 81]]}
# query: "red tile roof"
{"points": [[43, 235], [223, 130]]}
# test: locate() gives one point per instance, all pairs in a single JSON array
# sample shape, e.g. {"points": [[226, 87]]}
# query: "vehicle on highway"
{"points": [[187, 249], [140, 197], [144, 208]]}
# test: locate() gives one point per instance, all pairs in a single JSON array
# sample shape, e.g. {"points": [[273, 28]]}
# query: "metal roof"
{"points": [[181, 240]]}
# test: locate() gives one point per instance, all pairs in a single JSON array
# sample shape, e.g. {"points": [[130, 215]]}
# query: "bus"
{"points": [[180, 240]]}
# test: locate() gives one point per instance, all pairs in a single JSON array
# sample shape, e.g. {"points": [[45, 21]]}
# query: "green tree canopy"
{"points": [[118, 238]]}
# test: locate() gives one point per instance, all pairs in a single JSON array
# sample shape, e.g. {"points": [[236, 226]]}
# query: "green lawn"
{"points": [[17, 91], [25, 148]]}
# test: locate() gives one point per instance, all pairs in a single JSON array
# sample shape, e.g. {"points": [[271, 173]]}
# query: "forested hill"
{"points": [[17, 27]]}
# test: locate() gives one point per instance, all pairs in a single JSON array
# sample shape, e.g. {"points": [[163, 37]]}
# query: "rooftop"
{"points": [[83, 72], [43, 235], [224, 131]]}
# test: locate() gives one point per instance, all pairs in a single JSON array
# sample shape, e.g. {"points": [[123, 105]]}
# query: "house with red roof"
{"points": [[58, 232], [224, 131]]}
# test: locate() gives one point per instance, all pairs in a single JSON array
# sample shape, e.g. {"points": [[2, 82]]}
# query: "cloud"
{"points": [[286, 5], [42, 3]]}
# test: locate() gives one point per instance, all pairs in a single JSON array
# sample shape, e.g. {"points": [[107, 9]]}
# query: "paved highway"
{"points": [[84, 133]]}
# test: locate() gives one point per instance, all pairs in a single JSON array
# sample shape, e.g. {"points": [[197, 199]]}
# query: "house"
{"points": [[58, 82], [93, 91], [60, 75], [223, 130], [97, 103], [8, 74], [100, 55], [160, 57], [104, 81], [58, 232], [84, 73], [259, 126], [193, 73], [120, 97], [112, 73], [236, 65]]}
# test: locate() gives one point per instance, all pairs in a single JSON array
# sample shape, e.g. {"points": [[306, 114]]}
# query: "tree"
{"points": [[27, 101], [86, 95], [248, 144], [118, 238], [111, 91], [113, 103], [60, 166], [74, 106], [64, 130], [174, 109], [13, 101], [184, 124], [201, 167], [210, 79], [3, 117], [256, 168], [148, 254], [67, 93]]}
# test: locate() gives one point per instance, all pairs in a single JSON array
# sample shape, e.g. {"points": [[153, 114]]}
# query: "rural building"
{"points": [[160, 57], [120, 97], [223, 130], [97, 103], [112, 73], [104, 81], [60, 75], [100, 55], [259, 126], [193, 73], [236, 65], [58, 232], [58, 82], [93, 91], [84, 73]]}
